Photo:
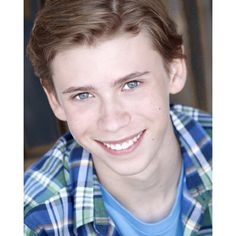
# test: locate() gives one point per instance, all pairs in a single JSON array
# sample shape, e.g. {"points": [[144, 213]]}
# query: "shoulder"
{"points": [[203, 118], [49, 177]]}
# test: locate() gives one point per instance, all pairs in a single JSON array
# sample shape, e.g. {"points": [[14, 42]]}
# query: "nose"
{"points": [[113, 116]]}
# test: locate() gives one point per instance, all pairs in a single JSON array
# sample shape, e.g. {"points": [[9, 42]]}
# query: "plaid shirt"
{"points": [[62, 194]]}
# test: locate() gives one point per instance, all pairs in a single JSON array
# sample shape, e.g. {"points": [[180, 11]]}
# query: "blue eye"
{"points": [[83, 96], [131, 85]]}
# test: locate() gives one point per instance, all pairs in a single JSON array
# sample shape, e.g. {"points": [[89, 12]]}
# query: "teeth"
{"points": [[123, 146], [118, 147], [107, 145], [130, 143]]}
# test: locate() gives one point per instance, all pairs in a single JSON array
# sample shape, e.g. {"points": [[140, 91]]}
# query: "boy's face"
{"points": [[115, 99]]}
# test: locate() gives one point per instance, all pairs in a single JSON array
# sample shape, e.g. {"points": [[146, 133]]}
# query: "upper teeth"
{"points": [[124, 145]]}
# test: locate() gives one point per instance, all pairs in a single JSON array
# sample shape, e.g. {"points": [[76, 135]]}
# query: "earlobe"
{"points": [[178, 74], [55, 104]]}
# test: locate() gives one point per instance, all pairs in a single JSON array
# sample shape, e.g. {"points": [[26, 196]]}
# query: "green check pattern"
{"points": [[63, 197]]}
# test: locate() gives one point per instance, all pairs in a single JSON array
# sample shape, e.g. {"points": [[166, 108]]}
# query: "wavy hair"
{"points": [[61, 24]]}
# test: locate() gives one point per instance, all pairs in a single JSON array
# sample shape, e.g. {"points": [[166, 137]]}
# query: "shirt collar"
{"points": [[196, 147], [88, 203], [196, 150]]}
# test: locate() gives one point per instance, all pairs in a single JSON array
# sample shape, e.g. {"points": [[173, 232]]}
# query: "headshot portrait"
{"points": [[117, 116]]}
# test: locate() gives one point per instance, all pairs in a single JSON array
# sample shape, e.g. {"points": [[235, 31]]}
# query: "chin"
{"points": [[130, 169]]}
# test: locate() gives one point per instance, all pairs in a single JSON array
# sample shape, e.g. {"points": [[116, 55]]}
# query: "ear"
{"points": [[55, 104], [177, 74]]}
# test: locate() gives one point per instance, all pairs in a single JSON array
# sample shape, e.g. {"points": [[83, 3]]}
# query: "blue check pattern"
{"points": [[63, 197]]}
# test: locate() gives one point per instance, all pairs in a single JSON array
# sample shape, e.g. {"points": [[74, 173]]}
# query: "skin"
{"points": [[115, 90]]}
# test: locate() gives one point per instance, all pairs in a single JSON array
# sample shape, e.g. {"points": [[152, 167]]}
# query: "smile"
{"points": [[124, 145]]}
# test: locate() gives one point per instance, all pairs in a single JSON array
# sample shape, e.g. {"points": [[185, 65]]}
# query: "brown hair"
{"points": [[64, 23]]}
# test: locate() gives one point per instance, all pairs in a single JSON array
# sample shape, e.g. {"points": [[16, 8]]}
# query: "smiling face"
{"points": [[115, 99]]}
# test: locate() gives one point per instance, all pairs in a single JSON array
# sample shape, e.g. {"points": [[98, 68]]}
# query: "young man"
{"points": [[131, 164]]}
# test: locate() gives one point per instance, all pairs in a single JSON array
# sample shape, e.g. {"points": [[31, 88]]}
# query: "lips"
{"points": [[124, 145]]}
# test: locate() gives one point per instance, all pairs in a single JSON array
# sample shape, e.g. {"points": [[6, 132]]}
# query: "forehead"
{"points": [[117, 56]]}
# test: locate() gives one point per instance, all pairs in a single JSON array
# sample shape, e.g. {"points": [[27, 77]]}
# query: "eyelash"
{"points": [[134, 84], [77, 96], [137, 84]]}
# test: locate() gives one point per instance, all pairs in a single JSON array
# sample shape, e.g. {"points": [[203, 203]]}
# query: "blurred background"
{"points": [[194, 20]]}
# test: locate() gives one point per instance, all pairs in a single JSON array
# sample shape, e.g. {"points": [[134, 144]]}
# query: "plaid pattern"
{"points": [[62, 194]]}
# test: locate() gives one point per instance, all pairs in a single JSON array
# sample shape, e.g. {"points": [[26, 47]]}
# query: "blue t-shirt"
{"points": [[128, 225]]}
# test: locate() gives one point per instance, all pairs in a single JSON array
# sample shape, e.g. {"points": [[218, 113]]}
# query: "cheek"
{"points": [[80, 124], [154, 103]]}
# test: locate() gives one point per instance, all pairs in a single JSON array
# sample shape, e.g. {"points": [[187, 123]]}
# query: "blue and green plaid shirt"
{"points": [[62, 194]]}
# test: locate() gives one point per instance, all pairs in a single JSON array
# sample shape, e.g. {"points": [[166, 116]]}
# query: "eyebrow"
{"points": [[117, 82], [129, 77]]}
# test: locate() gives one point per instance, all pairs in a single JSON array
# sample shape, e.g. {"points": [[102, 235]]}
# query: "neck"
{"points": [[154, 189]]}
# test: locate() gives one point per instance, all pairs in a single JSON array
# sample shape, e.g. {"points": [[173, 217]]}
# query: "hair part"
{"points": [[61, 24]]}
